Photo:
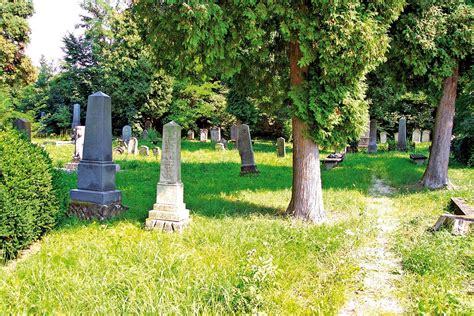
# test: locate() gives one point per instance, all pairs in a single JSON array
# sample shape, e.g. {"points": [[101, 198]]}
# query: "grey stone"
{"points": [[364, 139], [215, 134], [76, 115], [219, 147], [132, 146], [281, 149], [190, 135], [23, 126], [234, 132], [416, 136], [247, 158], [169, 211], [144, 151], [157, 151], [96, 171], [79, 135], [395, 137], [203, 132], [402, 134], [383, 137], [126, 133], [425, 136], [372, 148]]}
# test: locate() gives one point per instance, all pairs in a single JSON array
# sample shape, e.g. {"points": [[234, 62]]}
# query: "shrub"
{"points": [[29, 205]]}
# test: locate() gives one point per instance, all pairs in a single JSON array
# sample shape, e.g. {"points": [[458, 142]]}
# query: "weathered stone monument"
{"points": [[372, 148], [395, 137], [96, 195], [215, 134], [23, 126], [248, 165], [416, 136], [383, 137], [364, 139], [203, 135], [132, 146], [281, 149], [76, 116], [190, 135], [79, 133], [169, 213], [234, 132], [425, 136], [126, 134], [402, 134], [144, 151]]}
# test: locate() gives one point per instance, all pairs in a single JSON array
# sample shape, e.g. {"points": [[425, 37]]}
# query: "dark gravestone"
{"points": [[281, 150], [402, 134], [23, 126], [96, 195], [126, 134], [234, 132], [248, 165], [372, 148], [76, 115]]}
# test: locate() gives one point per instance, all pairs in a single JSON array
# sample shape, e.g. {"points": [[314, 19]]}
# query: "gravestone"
{"points": [[79, 133], [190, 135], [364, 139], [395, 137], [96, 195], [372, 148], [23, 126], [248, 165], [76, 115], [42, 115], [224, 142], [126, 133], [219, 147], [281, 149], [144, 151], [215, 134], [156, 151], [425, 137], [148, 126], [383, 137], [132, 146], [416, 136], [234, 132], [203, 135], [402, 134], [169, 213]]}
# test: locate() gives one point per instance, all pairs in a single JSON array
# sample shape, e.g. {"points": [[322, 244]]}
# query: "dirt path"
{"points": [[380, 268]]}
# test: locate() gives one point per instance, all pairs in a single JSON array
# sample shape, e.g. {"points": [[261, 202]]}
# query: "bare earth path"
{"points": [[380, 268]]}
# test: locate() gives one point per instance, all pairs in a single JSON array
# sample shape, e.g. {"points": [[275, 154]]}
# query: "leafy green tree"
{"points": [[16, 69], [321, 50], [432, 41]]}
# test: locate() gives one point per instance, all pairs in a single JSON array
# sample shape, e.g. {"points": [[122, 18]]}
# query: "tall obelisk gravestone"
{"points": [[247, 158], [169, 213], [402, 134], [76, 115], [372, 148], [96, 196]]}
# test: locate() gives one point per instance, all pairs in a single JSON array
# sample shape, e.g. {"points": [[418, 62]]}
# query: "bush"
{"points": [[29, 205]]}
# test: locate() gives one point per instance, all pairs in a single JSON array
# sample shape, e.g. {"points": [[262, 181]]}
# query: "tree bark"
{"points": [[436, 174], [307, 196]]}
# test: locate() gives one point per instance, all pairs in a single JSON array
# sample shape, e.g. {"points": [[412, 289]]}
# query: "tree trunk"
{"points": [[307, 196], [436, 174]]}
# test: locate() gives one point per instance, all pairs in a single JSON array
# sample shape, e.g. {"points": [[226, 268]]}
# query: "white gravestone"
{"points": [[416, 136], [425, 137]]}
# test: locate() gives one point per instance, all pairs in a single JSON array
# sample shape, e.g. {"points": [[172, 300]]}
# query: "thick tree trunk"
{"points": [[436, 174], [307, 196]]}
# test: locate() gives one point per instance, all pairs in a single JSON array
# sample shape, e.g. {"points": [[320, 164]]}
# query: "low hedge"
{"points": [[29, 204]]}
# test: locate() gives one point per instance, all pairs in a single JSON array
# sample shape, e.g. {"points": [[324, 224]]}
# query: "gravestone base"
{"points": [[166, 226], [96, 197], [248, 170], [88, 210], [71, 166]]}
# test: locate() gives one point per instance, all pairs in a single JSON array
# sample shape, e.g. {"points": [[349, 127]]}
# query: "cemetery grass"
{"points": [[238, 255]]}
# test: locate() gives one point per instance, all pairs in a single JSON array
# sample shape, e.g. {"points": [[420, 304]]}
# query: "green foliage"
{"points": [[242, 107], [29, 205]]}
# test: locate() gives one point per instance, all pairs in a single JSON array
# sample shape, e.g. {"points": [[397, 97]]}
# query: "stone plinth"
{"points": [[96, 171], [169, 213]]}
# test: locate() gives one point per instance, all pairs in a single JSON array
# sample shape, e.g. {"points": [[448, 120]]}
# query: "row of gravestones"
{"points": [[417, 136]]}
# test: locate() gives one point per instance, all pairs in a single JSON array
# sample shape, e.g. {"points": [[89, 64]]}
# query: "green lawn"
{"points": [[238, 255]]}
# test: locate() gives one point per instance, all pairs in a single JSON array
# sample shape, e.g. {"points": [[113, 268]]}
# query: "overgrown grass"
{"points": [[237, 255]]}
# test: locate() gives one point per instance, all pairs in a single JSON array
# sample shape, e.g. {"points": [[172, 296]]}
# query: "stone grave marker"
{"points": [[23, 126], [132, 146], [234, 132], [144, 151], [383, 137], [190, 135], [79, 133], [219, 147], [126, 134], [248, 165], [96, 195], [203, 135], [76, 115], [425, 136], [281, 149], [416, 136], [395, 137], [372, 148], [156, 152], [169, 213], [402, 134], [364, 139], [215, 134]]}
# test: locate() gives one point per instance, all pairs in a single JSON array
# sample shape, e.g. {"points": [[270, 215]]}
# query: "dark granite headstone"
{"points": [[402, 134], [248, 165], [76, 116], [281, 150], [372, 148]]}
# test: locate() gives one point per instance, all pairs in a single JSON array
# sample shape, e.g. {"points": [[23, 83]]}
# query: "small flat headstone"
{"points": [[133, 146], [425, 136], [144, 151], [215, 134], [416, 136], [203, 132], [190, 135], [383, 137]]}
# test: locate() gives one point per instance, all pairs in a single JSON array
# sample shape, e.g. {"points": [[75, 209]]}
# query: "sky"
{"points": [[51, 21]]}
